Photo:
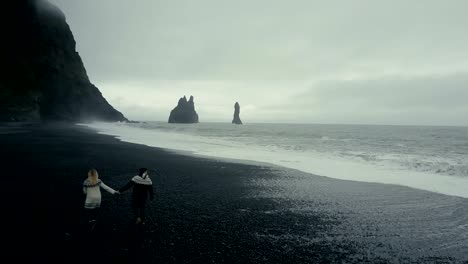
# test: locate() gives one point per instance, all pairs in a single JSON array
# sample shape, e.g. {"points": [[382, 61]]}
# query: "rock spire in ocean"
{"points": [[43, 76], [184, 112], [236, 119]]}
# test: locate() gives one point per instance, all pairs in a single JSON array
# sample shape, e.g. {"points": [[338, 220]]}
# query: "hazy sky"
{"points": [[361, 61]]}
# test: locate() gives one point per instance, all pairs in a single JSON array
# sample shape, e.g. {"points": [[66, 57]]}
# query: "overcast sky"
{"points": [[361, 61]]}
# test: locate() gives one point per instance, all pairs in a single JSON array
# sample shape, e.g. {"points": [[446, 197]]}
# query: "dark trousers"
{"points": [[89, 219], [90, 215], [139, 212]]}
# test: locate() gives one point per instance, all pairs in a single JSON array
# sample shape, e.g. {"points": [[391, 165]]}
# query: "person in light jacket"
{"points": [[142, 188], [92, 188]]}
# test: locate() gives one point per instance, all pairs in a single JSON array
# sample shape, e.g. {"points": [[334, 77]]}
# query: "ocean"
{"points": [[422, 157]]}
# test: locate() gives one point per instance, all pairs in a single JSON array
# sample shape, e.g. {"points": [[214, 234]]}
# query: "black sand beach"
{"points": [[210, 211]]}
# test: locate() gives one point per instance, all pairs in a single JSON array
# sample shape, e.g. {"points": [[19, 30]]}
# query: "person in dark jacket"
{"points": [[142, 188]]}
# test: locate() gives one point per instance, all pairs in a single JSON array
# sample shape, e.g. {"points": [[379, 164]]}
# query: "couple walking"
{"points": [[142, 188]]}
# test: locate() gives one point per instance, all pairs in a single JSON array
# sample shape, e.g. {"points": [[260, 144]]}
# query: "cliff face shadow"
{"points": [[43, 76]]}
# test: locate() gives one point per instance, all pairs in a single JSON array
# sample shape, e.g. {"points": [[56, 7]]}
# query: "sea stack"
{"points": [[43, 76], [236, 120], [184, 112]]}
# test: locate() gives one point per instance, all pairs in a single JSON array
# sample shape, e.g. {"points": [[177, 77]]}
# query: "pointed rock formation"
{"points": [[184, 112], [42, 76], [236, 119]]}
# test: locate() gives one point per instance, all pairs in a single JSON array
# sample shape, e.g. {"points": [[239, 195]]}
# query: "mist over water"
{"points": [[428, 158]]}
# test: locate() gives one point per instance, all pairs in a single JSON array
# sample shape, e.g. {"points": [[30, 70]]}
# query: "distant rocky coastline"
{"points": [[236, 120], [43, 76], [184, 112]]}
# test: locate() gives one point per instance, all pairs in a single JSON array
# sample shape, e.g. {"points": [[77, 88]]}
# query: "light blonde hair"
{"points": [[93, 176]]}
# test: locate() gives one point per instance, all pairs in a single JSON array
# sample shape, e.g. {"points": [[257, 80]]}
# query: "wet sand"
{"points": [[210, 211]]}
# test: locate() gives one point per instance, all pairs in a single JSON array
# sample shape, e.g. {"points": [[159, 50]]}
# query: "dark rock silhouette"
{"points": [[184, 112], [42, 77], [236, 119]]}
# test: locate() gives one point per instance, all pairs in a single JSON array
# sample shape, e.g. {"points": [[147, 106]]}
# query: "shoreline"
{"points": [[208, 209], [414, 184]]}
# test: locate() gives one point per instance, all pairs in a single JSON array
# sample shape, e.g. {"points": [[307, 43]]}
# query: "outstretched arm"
{"points": [[107, 188], [127, 186]]}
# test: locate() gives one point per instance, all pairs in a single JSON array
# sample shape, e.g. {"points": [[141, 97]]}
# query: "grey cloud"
{"points": [[261, 39], [376, 59], [436, 93], [428, 92], [429, 100]]}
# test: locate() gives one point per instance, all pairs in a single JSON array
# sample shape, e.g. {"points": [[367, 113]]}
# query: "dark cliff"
{"points": [[42, 76], [184, 112], [236, 119]]}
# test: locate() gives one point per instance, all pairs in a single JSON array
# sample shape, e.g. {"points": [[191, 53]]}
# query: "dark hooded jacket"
{"points": [[142, 188]]}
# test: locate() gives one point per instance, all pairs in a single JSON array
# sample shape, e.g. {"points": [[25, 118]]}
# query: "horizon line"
{"points": [[313, 123]]}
